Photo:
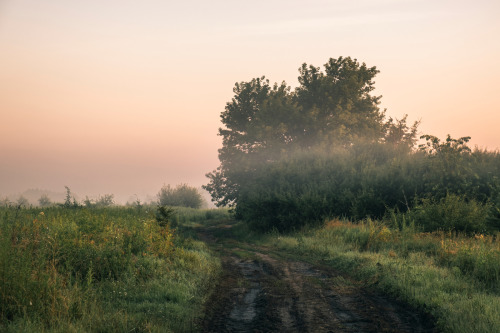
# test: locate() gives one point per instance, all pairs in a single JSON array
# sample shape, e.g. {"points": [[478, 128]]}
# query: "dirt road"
{"points": [[263, 293]]}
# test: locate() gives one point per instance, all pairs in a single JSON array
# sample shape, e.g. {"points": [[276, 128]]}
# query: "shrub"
{"points": [[182, 195], [44, 201], [370, 180], [453, 212]]}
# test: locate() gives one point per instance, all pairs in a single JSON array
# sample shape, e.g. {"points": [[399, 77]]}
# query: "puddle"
{"points": [[245, 312]]}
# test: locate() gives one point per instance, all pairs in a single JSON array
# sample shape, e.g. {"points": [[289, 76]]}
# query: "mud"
{"points": [[260, 293]]}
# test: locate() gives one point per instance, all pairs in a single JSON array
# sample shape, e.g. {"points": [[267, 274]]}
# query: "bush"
{"points": [[182, 195], [453, 212], [44, 201], [369, 180]]}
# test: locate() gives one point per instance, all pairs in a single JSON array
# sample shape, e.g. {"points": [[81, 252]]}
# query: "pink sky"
{"points": [[123, 96]]}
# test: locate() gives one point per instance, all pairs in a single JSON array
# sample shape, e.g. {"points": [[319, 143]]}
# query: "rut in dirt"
{"points": [[264, 294]]}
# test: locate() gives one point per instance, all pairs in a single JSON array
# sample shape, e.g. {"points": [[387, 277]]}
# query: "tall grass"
{"points": [[476, 257], [102, 269]]}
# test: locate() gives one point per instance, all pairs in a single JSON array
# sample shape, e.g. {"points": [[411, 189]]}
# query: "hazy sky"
{"points": [[124, 96]]}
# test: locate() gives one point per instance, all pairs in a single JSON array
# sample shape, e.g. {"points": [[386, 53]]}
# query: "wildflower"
{"points": [[42, 213]]}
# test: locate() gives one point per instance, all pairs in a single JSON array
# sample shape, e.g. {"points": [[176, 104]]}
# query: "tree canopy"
{"points": [[330, 107]]}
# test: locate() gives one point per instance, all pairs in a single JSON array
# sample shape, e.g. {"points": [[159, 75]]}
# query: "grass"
{"points": [[116, 270], [102, 270], [454, 277]]}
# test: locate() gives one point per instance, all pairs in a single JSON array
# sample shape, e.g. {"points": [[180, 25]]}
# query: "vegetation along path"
{"points": [[263, 291]]}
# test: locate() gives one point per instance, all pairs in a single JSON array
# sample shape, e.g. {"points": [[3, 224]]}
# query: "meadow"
{"points": [[115, 269], [112, 269]]}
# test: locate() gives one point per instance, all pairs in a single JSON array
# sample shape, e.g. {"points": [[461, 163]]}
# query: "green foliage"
{"points": [[70, 200], [44, 201], [336, 105], [291, 158], [5, 202], [185, 215], [307, 187], [22, 202], [263, 122], [182, 195], [106, 200], [399, 134], [368, 180], [67, 201], [164, 215], [433, 145], [493, 217], [453, 212]]}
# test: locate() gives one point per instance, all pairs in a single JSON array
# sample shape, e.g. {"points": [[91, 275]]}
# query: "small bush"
{"points": [[164, 215], [453, 212], [182, 195]]}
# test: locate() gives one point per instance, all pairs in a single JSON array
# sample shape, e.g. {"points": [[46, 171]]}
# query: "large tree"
{"points": [[262, 122]]}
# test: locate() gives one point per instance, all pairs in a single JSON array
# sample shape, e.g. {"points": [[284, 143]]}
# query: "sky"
{"points": [[122, 97]]}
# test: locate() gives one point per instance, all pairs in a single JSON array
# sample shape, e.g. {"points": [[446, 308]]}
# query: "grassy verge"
{"points": [[101, 270], [453, 277]]}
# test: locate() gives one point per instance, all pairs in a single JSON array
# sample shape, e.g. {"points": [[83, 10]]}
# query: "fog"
{"points": [[123, 97]]}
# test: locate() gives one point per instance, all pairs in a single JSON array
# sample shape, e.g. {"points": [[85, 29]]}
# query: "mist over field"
{"points": [[123, 97], [33, 196]]}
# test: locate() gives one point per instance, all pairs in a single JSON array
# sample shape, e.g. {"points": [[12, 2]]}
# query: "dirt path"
{"points": [[259, 293]]}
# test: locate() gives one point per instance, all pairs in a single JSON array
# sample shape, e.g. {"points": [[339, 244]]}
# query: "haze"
{"points": [[124, 96]]}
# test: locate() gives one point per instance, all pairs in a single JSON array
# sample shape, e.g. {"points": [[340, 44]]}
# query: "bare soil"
{"points": [[259, 292]]}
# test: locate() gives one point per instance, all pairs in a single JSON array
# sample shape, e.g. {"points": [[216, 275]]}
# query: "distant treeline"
{"points": [[182, 195]]}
